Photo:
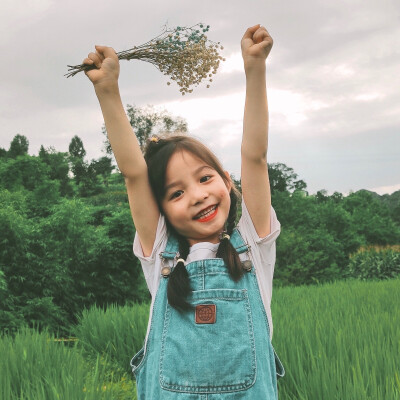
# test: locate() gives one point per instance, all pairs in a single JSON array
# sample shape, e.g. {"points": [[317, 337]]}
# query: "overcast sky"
{"points": [[333, 80]]}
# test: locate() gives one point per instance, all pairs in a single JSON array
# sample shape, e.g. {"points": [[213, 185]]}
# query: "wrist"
{"points": [[109, 87], [252, 66], [255, 71]]}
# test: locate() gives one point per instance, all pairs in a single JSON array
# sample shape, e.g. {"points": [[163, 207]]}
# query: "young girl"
{"points": [[210, 326]]}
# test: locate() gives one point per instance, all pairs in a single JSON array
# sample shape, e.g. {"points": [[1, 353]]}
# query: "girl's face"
{"points": [[196, 200]]}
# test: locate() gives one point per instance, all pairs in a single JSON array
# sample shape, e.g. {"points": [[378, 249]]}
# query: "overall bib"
{"points": [[220, 350]]}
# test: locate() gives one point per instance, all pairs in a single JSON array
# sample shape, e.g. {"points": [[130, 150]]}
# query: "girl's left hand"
{"points": [[256, 45]]}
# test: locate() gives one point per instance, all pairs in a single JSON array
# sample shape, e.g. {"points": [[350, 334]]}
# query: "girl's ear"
{"points": [[229, 183]]}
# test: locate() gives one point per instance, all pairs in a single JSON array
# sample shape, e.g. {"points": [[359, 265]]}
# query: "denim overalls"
{"points": [[221, 349]]}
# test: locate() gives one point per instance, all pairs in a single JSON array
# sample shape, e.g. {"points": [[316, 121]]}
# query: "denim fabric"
{"points": [[230, 359]]}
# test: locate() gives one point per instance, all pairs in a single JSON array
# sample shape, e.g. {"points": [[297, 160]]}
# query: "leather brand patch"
{"points": [[206, 314]]}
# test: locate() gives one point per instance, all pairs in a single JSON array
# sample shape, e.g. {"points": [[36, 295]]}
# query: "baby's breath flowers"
{"points": [[184, 54]]}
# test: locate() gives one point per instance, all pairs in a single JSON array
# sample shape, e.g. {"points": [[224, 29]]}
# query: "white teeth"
{"points": [[206, 213]]}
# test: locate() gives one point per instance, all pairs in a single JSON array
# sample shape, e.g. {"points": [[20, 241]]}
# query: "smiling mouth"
{"points": [[208, 214]]}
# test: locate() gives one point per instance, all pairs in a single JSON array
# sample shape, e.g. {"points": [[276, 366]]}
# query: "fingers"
{"points": [[250, 31], [87, 61], [105, 52], [262, 36], [98, 57], [257, 34]]}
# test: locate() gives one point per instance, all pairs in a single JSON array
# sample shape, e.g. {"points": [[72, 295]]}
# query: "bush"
{"points": [[374, 264]]}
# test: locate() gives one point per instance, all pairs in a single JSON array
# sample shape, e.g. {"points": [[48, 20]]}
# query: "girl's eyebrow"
{"points": [[177, 183]]}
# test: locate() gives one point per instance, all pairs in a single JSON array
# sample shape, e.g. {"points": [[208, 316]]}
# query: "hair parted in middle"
{"points": [[157, 154]]}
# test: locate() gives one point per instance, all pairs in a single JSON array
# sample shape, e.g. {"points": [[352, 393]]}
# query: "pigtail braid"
{"points": [[178, 282], [225, 249]]}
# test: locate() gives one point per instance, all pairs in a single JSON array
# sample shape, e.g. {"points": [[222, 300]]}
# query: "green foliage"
{"points": [[66, 242], [284, 179], [338, 341], [23, 172], [89, 183], [59, 168], [373, 264], [35, 366], [335, 340], [76, 148], [118, 332], [315, 240], [371, 218], [18, 147], [42, 198], [53, 267], [392, 202]]}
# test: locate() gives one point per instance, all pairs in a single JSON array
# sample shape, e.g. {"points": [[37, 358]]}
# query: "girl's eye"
{"points": [[205, 178], [176, 194]]}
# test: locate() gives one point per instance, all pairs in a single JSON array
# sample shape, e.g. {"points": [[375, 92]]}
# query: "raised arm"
{"points": [[256, 45], [144, 209]]}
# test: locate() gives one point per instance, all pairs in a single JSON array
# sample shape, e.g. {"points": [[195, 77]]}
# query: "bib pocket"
{"points": [[280, 370], [214, 357], [136, 361]]}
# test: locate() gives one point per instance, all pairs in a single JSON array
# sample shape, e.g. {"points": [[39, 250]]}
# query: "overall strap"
{"points": [[172, 248], [238, 242]]}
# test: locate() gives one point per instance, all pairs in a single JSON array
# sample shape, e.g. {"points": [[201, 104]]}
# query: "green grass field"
{"points": [[336, 341], [339, 341]]}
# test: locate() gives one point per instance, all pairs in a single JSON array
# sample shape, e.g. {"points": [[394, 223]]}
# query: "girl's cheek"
{"points": [[223, 194]]}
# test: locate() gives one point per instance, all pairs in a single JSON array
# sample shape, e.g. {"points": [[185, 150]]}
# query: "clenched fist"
{"points": [[256, 45]]}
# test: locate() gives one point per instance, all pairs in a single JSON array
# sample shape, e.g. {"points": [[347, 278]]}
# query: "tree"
{"points": [[18, 147], [24, 171], [145, 122], [59, 168], [3, 153], [103, 167], [78, 166], [76, 149], [284, 179], [371, 218]]}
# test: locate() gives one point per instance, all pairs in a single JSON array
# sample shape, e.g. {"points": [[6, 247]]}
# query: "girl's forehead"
{"points": [[182, 166], [184, 159]]}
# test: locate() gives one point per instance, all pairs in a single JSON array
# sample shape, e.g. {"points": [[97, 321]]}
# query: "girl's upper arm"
{"points": [[144, 210], [256, 192]]}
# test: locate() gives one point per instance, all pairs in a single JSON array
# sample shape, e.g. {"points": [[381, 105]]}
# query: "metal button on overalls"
{"points": [[219, 351]]}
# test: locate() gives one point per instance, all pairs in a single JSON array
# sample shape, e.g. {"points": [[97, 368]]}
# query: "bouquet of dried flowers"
{"points": [[184, 54]]}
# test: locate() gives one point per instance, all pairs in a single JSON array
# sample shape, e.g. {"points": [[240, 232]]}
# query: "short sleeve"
{"points": [[246, 226], [262, 254], [151, 264]]}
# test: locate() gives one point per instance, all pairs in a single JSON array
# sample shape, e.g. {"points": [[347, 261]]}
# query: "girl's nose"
{"points": [[199, 194]]}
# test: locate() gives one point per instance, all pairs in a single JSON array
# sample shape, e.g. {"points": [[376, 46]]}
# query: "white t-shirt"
{"points": [[262, 254]]}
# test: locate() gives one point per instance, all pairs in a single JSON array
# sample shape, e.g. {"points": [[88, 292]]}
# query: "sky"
{"points": [[332, 81]]}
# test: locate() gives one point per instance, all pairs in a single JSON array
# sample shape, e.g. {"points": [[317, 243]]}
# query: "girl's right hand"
{"points": [[107, 66]]}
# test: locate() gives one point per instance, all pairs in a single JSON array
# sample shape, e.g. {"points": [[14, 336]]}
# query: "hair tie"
{"points": [[179, 260], [224, 235], [154, 139]]}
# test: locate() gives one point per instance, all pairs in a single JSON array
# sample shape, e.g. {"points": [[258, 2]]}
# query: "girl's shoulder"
{"points": [[248, 231]]}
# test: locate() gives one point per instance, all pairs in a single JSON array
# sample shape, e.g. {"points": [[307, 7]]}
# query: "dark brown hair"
{"points": [[157, 153]]}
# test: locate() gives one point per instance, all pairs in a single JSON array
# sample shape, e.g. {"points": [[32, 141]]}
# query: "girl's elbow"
{"points": [[255, 157]]}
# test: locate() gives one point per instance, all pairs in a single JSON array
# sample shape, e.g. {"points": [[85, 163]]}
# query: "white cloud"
{"points": [[285, 108], [344, 69], [332, 75], [232, 63], [200, 110], [369, 96]]}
